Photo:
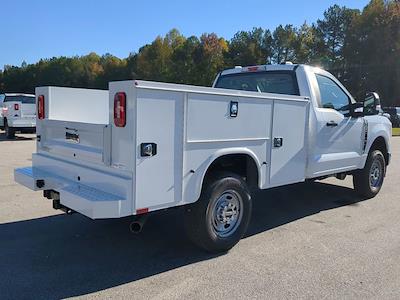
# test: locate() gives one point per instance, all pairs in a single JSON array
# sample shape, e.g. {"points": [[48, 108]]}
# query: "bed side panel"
{"points": [[212, 132]]}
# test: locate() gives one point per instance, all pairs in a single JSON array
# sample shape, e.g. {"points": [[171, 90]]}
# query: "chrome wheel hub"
{"points": [[227, 213], [375, 174]]}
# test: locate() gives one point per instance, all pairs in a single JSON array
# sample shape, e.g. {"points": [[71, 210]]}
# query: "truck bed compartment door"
{"points": [[288, 154], [159, 145]]}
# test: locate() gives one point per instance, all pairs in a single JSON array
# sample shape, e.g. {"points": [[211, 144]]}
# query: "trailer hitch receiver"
{"points": [[40, 183]]}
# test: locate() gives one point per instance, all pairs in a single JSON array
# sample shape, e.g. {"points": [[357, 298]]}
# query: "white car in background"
{"points": [[18, 113]]}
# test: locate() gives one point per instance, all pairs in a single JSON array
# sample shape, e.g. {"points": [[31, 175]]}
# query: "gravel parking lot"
{"points": [[305, 241]]}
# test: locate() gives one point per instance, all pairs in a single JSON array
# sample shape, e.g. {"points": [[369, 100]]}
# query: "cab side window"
{"points": [[332, 96]]}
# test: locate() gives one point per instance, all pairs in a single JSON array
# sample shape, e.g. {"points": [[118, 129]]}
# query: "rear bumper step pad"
{"points": [[91, 202]]}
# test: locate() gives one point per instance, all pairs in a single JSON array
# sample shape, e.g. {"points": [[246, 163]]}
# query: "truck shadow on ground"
{"points": [[26, 137], [63, 256]]}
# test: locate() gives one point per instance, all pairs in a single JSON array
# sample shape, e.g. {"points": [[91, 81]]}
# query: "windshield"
{"points": [[277, 82], [23, 99]]}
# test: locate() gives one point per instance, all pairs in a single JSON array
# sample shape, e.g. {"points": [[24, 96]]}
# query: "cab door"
{"points": [[338, 143]]}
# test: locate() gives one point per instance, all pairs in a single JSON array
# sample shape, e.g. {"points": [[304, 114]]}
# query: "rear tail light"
{"points": [[120, 109], [16, 106], [40, 107]]}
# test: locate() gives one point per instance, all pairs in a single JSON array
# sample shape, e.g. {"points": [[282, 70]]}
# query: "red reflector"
{"points": [[40, 107], [252, 69], [120, 109], [142, 211], [16, 106]]}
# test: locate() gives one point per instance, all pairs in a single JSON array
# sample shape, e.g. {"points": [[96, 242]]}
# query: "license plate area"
{"points": [[72, 136]]}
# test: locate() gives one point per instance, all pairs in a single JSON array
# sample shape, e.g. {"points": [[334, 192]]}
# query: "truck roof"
{"points": [[18, 94], [259, 68], [206, 90]]}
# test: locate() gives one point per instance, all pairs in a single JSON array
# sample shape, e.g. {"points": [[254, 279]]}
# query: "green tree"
{"points": [[372, 52], [185, 60], [112, 69], [284, 44], [1, 81], [131, 66], [154, 61], [334, 28], [210, 58], [309, 46], [250, 48]]}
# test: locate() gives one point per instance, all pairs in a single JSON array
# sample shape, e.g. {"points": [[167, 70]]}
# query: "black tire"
{"points": [[368, 181], [214, 222], [10, 132]]}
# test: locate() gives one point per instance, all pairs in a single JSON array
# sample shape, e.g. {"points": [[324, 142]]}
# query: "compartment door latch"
{"points": [[233, 109], [148, 149], [278, 142]]}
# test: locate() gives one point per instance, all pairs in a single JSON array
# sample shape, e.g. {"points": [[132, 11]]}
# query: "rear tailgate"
{"points": [[73, 154], [28, 110], [19, 106], [74, 140], [12, 109], [75, 124], [21, 114]]}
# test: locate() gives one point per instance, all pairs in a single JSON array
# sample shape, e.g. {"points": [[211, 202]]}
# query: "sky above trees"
{"points": [[32, 30], [361, 47]]}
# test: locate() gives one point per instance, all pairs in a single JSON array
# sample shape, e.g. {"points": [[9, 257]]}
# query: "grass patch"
{"points": [[396, 131]]}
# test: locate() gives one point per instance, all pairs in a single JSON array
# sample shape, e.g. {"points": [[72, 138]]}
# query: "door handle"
{"points": [[331, 124]]}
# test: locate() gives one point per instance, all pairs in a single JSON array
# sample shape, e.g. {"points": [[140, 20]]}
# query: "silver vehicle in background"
{"points": [[2, 96], [18, 113], [394, 115]]}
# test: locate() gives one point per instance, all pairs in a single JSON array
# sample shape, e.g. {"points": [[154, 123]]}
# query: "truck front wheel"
{"points": [[368, 181], [219, 219], [10, 132]]}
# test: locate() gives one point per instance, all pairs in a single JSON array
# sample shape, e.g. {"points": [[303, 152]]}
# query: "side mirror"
{"points": [[357, 110], [372, 104]]}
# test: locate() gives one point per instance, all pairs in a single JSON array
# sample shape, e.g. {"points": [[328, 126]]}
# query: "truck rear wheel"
{"points": [[219, 219], [368, 181], [10, 132]]}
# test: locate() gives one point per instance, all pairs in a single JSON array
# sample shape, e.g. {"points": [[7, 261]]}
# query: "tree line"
{"points": [[360, 47]]}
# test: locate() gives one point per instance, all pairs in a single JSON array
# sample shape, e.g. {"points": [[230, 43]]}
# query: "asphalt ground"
{"points": [[305, 241]]}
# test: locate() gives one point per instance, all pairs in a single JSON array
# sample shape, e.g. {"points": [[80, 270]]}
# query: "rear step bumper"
{"points": [[22, 123], [89, 201]]}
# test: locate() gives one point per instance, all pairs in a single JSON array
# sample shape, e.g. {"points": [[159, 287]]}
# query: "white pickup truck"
{"points": [[144, 146], [17, 114]]}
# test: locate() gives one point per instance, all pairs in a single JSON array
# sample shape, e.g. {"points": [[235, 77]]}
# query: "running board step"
{"points": [[91, 202]]}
